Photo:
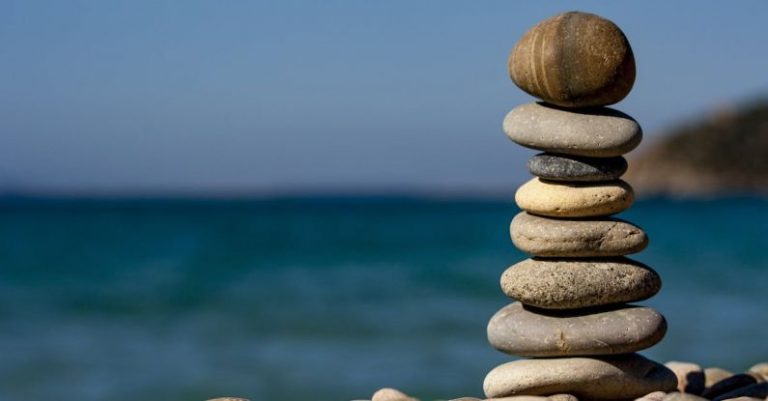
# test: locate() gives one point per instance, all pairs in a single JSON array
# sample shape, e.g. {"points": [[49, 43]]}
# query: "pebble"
{"points": [[744, 399], [390, 394], [540, 236], [757, 390], [522, 331], [574, 59], [601, 132], [563, 397], [574, 200], [228, 399], [713, 375], [654, 396], [576, 168], [690, 377], [729, 384], [579, 283], [677, 396], [618, 377], [760, 369]]}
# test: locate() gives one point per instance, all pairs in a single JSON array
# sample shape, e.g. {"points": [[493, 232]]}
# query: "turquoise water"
{"points": [[322, 299]]}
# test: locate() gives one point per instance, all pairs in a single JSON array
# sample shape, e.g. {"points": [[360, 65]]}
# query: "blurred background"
{"points": [[310, 200]]}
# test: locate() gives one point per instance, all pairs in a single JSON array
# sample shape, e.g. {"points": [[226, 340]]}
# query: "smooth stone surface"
{"points": [[521, 398], [579, 283], [601, 132], [677, 396], [574, 59], [555, 167], [466, 399], [227, 399], [563, 397], [522, 331], [390, 394], [574, 200], [760, 369], [654, 396], [541, 236], [619, 377], [690, 376], [757, 390], [729, 384], [744, 399], [713, 375]]}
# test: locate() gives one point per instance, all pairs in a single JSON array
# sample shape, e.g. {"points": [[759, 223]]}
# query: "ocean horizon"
{"points": [[325, 297]]}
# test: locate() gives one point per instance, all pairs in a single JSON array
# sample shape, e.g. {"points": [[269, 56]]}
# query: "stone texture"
{"points": [[713, 375], [562, 397], [760, 369], [522, 331], [227, 399], [574, 59], [654, 396], [677, 396], [541, 236], [728, 385], [556, 167], [579, 283], [690, 377], [466, 399], [574, 200], [745, 399], [390, 394], [757, 390], [602, 132], [618, 377]]}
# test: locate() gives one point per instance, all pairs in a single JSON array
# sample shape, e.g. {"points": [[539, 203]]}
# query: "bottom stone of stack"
{"points": [[617, 377]]}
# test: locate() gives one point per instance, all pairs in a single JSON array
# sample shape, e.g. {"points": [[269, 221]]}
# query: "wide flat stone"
{"points": [[619, 377], [558, 199], [601, 132], [541, 236], [555, 167], [579, 283], [522, 331], [574, 59]]}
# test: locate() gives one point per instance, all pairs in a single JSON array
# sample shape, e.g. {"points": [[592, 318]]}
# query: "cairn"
{"points": [[571, 313]]}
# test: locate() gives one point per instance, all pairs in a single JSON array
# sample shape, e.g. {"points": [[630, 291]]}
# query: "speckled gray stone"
{"points": [[617, 377], [579, 283], [522, 331], [542, 236], [555, 167], [599, 132]]}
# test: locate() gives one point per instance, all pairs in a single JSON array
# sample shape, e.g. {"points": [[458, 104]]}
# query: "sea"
{"points": [[323, 298]]}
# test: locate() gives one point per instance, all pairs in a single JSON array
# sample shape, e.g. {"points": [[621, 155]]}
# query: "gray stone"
{"points": [[598, 132], [677, 396], [522, 331], [690, 377], [555, 167], [618, 377], [579, 283], [728, 385], [541, 236]]}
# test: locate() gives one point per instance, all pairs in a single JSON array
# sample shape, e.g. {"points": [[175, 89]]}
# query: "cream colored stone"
{"points": [[690, 377], [390, 394], [574, 199], [713, 375], [760, 369], [654, 396]]}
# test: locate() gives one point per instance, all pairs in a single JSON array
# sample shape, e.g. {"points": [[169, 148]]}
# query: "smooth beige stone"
{"points": [[563, 397], [574, 59], [574, 199], [601, 132], [690, 377], [654, 396], [713, 375], [521, 398], [390, 394], [579, 283], [744, 399], [466, 399], [542, 236], [677, 396], [760, 369], [228, 399], [618, 377], [757, 390], [521, 331]]}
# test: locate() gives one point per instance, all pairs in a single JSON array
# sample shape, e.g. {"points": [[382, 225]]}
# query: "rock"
{"points": [[574, 59], [579, 283], [713, 375], [555, 167], [540, 236], [601, 132], [522, 331], [521, 398], [729, 384], [744, 399], [676, 396], [574, 200], [654, 396], [466, 399], [228, 399], [562, 397], [760, 369], [690, 377], [617, 377], [390, 394], [757, 390]]}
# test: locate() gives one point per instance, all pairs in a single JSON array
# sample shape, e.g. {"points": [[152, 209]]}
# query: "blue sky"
{"points": [[238, 97]]}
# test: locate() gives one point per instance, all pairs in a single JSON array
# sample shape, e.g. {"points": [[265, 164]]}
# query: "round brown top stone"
{"points": [[574, 60]]}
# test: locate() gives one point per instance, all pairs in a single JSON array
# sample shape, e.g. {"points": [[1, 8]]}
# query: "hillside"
{"points": [[726, 153]]}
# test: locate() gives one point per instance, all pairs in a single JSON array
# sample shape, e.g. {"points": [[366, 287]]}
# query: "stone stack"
{"points": [[571, 313]]}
